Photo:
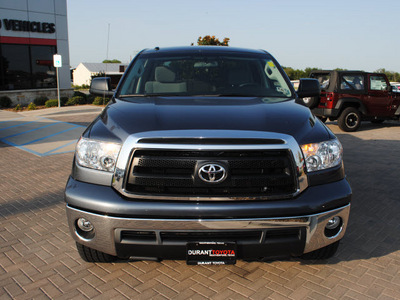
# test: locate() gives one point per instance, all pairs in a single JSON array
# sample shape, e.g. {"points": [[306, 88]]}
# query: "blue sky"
{"points": [[348, 34]]}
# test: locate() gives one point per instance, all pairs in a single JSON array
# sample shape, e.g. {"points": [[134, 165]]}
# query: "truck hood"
{"points": [[135, 115]]}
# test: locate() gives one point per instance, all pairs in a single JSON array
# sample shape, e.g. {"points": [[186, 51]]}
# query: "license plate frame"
{"points": [[211, 253]]}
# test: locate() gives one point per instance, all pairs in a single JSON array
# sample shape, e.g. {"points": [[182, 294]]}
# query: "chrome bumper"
{"points": [[106, 227]]}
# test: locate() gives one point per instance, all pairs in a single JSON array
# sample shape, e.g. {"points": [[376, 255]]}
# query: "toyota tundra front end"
{"points": [[205, 154]]}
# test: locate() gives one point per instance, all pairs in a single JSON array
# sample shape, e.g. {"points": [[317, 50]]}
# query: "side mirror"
{"points": [[308, 87], [101, 86]]}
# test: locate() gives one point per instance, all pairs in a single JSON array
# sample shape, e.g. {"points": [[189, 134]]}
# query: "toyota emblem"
{"points": [[212, 173]]}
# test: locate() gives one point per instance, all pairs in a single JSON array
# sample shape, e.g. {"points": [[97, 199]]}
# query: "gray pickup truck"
{"points": [[206, 154]]}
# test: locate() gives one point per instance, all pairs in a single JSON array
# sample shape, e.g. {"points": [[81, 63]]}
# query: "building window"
{"points": [[43, 72], [26, 67]]}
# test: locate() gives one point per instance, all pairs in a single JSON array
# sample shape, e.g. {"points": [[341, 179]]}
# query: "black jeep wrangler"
{"points": [[205, 154], [352, 96]]}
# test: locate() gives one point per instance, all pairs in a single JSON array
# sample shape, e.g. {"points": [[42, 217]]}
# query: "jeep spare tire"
{"points": [[310, 102], [350, 119]]}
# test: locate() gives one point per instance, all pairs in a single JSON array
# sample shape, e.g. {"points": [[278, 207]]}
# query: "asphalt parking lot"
{"points": [[38, 258]]}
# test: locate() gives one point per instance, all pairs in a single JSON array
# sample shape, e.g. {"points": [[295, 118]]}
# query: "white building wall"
{"points": [[82, 75], [50, 11]]}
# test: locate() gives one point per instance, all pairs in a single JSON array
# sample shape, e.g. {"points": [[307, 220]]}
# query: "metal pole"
{"points": [[108, 39], [58, 88], [105, 73]]}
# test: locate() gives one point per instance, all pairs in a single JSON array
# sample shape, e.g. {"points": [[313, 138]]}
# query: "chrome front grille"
{"points": [[164, 165]]}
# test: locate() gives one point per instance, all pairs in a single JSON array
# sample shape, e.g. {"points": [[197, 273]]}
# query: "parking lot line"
{"points": [[56, 150], [22, 148], [17, 125], [30, 130], [23, 125], [52, 143], [49, 135], [40, 136]]}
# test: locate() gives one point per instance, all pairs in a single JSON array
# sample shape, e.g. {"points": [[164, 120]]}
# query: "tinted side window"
{"points": [[352, 82]]}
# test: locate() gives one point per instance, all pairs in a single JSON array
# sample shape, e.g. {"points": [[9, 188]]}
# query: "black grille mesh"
{"points": [[250, 173]]}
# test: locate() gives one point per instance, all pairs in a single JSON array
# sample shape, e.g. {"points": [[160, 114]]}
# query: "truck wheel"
{"points": [[310, 102], [350, 119], [323, 253], [91, 255]]}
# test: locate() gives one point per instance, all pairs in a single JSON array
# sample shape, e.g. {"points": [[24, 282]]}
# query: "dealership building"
{"points": [[31, 32]]}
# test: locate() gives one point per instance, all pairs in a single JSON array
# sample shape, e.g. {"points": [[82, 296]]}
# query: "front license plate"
{"points": [[211, 253]]}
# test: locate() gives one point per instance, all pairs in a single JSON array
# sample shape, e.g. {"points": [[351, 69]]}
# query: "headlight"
{"points": [[97, 155], [320, 156]]}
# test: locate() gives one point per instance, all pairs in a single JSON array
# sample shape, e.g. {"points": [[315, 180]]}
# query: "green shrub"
{"points": [[51, 103], [101, 101], [80, 94], [70, 102], [90, 99], [76, 101], [18, 107], [98, 101], [40, 101], [31, 106], [80, 100], [81, 87], [5, 101], [63, 100]]}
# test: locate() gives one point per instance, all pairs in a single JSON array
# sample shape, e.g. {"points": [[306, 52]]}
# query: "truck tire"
{"points": [[310, 102], [91, 255], [350, 119], [323, 253]]}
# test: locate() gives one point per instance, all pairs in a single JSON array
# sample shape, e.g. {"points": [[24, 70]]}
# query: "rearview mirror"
{"points": [[101, 86], [308, 87]]}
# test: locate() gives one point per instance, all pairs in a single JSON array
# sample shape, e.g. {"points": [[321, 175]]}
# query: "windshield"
{"points": [[205, 76]]}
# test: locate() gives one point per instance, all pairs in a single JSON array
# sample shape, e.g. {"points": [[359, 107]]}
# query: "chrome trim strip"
{"points": [[316, 238], [107, 226], [132, 143]]}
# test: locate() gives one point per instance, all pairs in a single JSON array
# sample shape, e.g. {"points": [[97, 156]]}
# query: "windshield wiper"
{"points": [[147, 95], [236, 95], [131, 95], [200, 95]]}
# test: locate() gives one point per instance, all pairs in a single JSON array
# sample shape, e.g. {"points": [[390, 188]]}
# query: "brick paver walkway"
{"points": [[38, 259]]}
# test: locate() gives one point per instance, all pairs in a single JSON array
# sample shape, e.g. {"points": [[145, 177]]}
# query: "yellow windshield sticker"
{"points": [[271, 64]]}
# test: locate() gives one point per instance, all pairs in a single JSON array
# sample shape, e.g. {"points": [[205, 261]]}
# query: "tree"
{"points": [[100, 74], [295, 74], [392, 76], [212, 40], [112, 61]]}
